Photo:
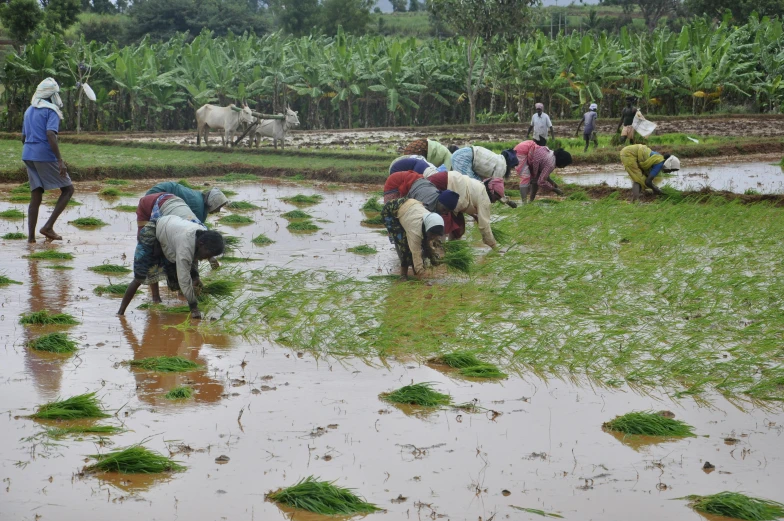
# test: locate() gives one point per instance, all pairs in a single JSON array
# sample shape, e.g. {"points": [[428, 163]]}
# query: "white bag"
{"points": [[88, 91], [643, 127]]}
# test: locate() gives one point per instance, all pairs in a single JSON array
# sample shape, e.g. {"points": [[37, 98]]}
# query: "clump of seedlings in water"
{"points": [[303, 199], [88, 222], [649, 424], [53, 343], [363, 249], [296, 214], [230, 178], [152, 306], [372, 205], [50, 255], [76, 407], [458, 256], [125, 208], [417, 394], [186, 184], [111, 289], [261, 240], [737, 506], [45, 318], [15, 236], [229, 193], [302, 226], [222, 287], [501, 236], [241, 206], [232, 259], [58, 267], [59, 432], [110, 269], [4, 281], [12, 213], [322, 497], [373, 221], [135, 459], [179, 393], [164, 364], [469, 365], [113, 192], [235, 219]]}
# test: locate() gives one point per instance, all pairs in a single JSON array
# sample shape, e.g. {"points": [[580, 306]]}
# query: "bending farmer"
{"points": [[541, 163], [643, 165], [433, 151], [412, 229]]}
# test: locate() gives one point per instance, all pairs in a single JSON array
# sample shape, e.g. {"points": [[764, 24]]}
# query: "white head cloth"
{"points": [[215, 199], [48, 89], [672, 163], [431, 220]]}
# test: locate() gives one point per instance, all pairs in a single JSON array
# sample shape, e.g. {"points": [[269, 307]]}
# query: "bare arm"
{"points": [[23, 138], [580, 124], [530, 128], [620, 123], [51, 136]]}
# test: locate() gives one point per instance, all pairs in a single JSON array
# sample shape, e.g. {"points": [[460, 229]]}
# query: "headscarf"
{"points": [[539, 106], [215, 199], [449, 199], [48, 89], [511, 158], [593, 106], [432, 220], [672, 163], [496, 184]]}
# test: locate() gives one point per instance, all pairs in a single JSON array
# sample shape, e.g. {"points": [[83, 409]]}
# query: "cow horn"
{"points": [[235, 108]]}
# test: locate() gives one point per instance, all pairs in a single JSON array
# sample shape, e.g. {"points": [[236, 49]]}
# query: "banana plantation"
{"points": [[372, 81]]}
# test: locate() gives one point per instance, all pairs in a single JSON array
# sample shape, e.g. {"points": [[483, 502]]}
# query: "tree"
{"points": [[122, 6], [161, 19], [413, 6], [653, 10], [21, 18], [352, 15], [486, 26], [103, 6], [222, 16], [398, 6], [740, 9], [107, 28], [296, 17], [61, 14]]}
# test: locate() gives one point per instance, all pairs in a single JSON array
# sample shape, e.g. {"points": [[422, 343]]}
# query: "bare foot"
{"points": [[31, 240], [50, 234]]}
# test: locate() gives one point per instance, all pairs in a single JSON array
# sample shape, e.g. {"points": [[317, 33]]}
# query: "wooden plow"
{"points": [[259, 116]]}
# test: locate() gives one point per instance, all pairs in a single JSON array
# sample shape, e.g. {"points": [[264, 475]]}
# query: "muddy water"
{"points": [[280, 415]]}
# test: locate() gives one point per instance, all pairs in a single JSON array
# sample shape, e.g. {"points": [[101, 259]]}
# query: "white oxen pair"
{"points": [[227, 119], [276, 128]]}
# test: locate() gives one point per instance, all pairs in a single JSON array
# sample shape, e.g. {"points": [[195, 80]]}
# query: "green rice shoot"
{"points": [[152, 306], [20, 198], [113, 192], [135, 459], [303, 199], [501, 236], [241, 206], [296, 214], [110, 269], [53, 343], [580, 195], [458, 256], [230, 178], [50, 255], [186, 184], [421, 394], [302, 226], [322, 497], [73, 408], [231, 241], [484, 370], [179, 393], [229, 193], [363, 249], [88, 222], [5, 281], [372, 205], [737, 506], [235, 219], [15, 236], [649, 424], [221, 287], [45, 318], [12, 213], [469, 365], [117, 182], [129, 208], [232, 259], [103, 430], [261, 240], [58, 267], [23, 188], [373, 221], [165, 364], [111, 289]]}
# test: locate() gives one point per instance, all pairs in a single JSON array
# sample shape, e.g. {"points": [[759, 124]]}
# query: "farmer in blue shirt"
{"points": [[45, 166]]}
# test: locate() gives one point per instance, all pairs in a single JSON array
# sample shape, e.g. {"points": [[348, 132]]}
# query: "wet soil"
{"points": [[280, 415]]}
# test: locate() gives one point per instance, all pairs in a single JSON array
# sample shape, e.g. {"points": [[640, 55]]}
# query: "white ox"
{"points": [[227, 119], [276, 128]]}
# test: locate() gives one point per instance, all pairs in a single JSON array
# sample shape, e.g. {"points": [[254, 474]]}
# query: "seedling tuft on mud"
{"points": [[322, 497], [417, 394], [179, 393], [117, 182], [235, 219], [110, 269], [302, 226], [458, 256], [296, 214], [88, 222], [373, 221], [135, 459], [165, 364], [261, 240], [363, 249], [59, 432], [501, 236], [649, 424], [50, 255], [14, 236], [186, 184], [737, 506], [43, 317], [372, 205], [113, 192], [301, 199], [111, 289], [80, 406], [241, 206], [4, 281], [23, 188], [125, 208], [12, 213], [53, 343]]}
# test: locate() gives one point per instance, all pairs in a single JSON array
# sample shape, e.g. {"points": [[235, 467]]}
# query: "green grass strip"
{"points": [[241, 206], [45, 318], [737, 506], [58, 267], [90, 222], [20, 198], [179, 393], [235, 219], [302, 226], [53, 343], [232, 259], [15, 236], [4, 281], [363, 249], [164, 364], [110, 269], [303, 199], [261, 240], [111, 289], [458, 256], [50, 255], [372, 205], [80, 406], [135, 459], [296, 214], [322, 497], [23, 188], [129, 208], [421, 394], [12, 213], [649, 424]]}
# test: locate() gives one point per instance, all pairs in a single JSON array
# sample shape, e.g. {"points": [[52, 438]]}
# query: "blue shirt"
{"points": [[655, 169], [36, 123], [193, 198], [409, 163]]}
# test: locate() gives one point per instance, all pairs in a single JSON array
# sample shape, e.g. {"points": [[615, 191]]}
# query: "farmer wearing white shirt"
{"points": [[540, 124]]}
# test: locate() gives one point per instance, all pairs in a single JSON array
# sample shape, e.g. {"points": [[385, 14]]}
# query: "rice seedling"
{"points": [[363, 249], [672, 195], [302, 226], [301, 199], [80, 406], [417, 394], [116, 182], [135, 459], [50, 255], [179, 393], [45, 318], [372, 205], [484, 370], [231, 178], [19, 198], [23, 188], [58, 267], [322, 497], [458, 256], [232, 259], [649, 424], [165, 309], [53, 343], [580, 195], [128, 208], [228, 193], [537, 511], [5, 281], [113, 192], [261, 240], [373, 221], [61, 432], [164, 364], [12, 213], [296, 214], [71, 202], [186, 184], [241, 206], [235, 219], [221, 287], [112, 269], [88, 222], [111, 289], [457, 359], [500, 235], [737, 506], [15, 236]]}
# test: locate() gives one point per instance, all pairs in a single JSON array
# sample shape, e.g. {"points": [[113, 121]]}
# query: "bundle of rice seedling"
{"points": [[458, 256], [15, 236], [737, 506], [580, 195], [179, 393], [302, 226], [241, 205], [12, 213], [164, 364], [296, 214], [45, 318], [230, 258], [303, 199], [113, 192], [59, 432], [261, 240], [322, 497], [110, 269], [50, 255], [186, 184], [221, 287], [672, 195], [228, 193], [649, 424], [483, 370], [417, 394], [615, 140], [125, 208], [363, 249], [20, 198], [116, 182], [53, 343], [23, 188], [235, 219], [373, 221], [111, 289], [80, 406], [230, 178], [500, 235], [58, 267], [152, 306], [135, 459], [469, 365], [4, 281], [372, 205], [88, 222]]}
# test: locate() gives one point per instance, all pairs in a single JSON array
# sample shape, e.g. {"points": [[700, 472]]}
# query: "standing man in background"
{"points": [[540, 124], [627, 119]]}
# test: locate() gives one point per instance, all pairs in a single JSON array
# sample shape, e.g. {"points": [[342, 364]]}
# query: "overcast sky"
{"points": [[387, 7]]}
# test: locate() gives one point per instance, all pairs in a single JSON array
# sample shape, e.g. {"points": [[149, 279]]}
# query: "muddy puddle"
{"points": [[281, 415]]}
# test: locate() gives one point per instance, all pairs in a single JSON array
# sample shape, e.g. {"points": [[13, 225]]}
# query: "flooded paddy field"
{"points": [[583, 338]]}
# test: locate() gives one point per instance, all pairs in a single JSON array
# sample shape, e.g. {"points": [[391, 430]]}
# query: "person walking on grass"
{"points": [[589, 131], [541, 125], [177, 245], [412, 229], [46, 169], [643, 165], [627, 119]]}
